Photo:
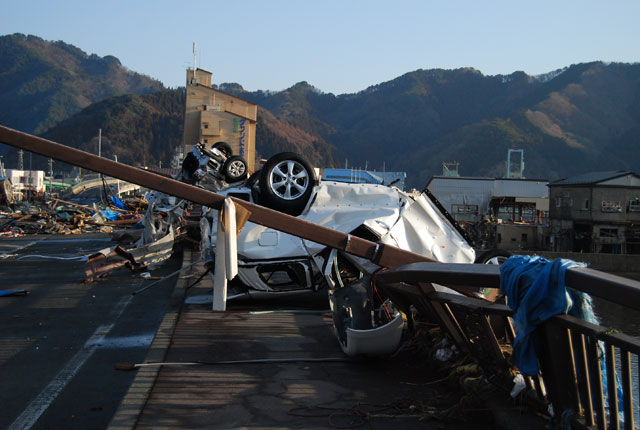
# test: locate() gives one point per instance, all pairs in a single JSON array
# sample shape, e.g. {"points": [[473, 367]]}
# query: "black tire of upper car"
{"points": [[295, 188], [235, 169], [493, 256], [223, 147], [252, 184]]}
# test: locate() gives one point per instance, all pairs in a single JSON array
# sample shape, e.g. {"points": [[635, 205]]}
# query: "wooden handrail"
{"points": [[616, 289]]}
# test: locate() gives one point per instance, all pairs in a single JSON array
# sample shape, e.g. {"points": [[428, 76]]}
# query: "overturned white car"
{"points": [[272, 262]]}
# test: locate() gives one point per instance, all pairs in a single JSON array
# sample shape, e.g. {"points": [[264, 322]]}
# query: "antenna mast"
{"points": [[195, 55], [518, 172]]}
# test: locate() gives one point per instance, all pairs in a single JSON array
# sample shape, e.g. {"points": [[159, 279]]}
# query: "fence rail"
{"points": [[577, 360]]}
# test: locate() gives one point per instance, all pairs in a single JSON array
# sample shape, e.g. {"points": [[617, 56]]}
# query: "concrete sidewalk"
{"points": [[401, 391]]}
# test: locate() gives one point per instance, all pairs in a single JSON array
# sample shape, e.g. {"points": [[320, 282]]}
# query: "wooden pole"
{"points": [[379, 253]]}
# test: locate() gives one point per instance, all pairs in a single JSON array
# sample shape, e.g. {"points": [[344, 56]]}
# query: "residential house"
{"points": [[596, 212]]}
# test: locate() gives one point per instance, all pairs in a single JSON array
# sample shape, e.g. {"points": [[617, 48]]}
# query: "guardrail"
{"points": [[572, 350]]}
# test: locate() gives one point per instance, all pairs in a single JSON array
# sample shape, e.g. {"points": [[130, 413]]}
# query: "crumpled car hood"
{"points": [[414, 225]]}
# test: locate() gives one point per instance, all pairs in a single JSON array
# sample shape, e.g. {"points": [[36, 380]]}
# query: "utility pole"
{"points": [[21, 160], [30, 176], [50, 173], [100, 149], [115, 157]]}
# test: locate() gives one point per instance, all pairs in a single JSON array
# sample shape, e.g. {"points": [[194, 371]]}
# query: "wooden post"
{"points": [[557, 366]]}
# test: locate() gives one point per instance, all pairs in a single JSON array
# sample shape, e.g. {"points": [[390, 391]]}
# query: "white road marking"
{"points": [[15, 248], [136, 341], [39, 405]]}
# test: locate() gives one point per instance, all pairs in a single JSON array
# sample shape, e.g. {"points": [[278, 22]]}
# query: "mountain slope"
{"points": [[584, 117], [569, 121], [141, 130], [275, 135], [146, 130], [43, 82]]}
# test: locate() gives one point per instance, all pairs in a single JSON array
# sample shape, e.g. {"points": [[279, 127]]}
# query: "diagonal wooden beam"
{"points": [[383, 255]]}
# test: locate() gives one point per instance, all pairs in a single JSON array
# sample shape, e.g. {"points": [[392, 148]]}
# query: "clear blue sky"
{"points": [[339, 46]]}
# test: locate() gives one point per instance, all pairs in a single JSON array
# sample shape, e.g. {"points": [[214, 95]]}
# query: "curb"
{"points": [[130, 409]]}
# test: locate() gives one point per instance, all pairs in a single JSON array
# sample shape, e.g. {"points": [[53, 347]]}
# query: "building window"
{"points": [[608, 232], [465, 209], [564, 202], [611, 206], [634, 205], [585, 205], [206, 125]]}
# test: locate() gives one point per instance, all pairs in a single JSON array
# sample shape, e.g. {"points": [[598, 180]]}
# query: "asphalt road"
{"points": [[59, 344]]}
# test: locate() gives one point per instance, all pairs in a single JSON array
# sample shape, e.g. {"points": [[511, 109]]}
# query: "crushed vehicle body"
{"points": [[268, 258], [271, 262]]}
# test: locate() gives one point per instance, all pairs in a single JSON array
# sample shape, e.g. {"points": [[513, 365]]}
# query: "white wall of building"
{"points": [[23, 180], [453, 192]]}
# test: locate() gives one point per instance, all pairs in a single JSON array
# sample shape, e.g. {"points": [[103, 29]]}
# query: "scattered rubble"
{"points": [[144, 228], [61, 217]]}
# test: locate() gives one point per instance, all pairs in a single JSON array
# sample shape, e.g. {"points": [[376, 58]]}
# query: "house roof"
{"points": [[483, 178], [592, 177]]}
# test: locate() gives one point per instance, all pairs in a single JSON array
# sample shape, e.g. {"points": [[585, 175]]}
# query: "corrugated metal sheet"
{"points": [[592, 178], [452, 191], [520, 188], [462, 191]]}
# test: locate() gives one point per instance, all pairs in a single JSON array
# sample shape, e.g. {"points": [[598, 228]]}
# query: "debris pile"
{"points": [[164, 222], [62, 217]]}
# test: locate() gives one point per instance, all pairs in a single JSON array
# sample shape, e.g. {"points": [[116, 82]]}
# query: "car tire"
{"points": [[493, 256], [286, 183], [254, 186], [223, 147], [235, 169]]}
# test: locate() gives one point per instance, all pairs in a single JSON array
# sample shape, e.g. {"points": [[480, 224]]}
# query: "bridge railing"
{"points": [[586, 369]]}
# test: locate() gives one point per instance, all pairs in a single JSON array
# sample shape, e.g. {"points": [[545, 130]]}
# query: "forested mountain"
{"points": [[584, 117], [43, 82], [581, 118], [142, 130]]}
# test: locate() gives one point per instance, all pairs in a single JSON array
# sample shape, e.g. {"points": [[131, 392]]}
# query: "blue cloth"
{"points": [[118, 203], [12, 292], [110, 215], [536, 291]]}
